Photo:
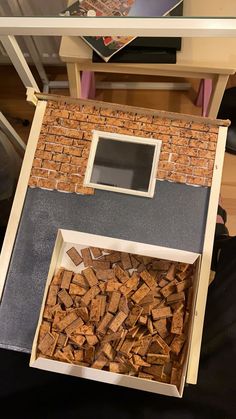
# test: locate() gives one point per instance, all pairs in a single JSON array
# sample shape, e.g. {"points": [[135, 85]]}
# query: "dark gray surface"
{"points": [[175, 218]]}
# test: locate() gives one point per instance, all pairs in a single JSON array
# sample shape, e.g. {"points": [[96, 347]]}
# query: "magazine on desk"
{"points": [[107, 46]]}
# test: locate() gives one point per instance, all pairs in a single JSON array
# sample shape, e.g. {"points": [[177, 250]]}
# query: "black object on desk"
{"points": [[137, 55], [146, 51]]}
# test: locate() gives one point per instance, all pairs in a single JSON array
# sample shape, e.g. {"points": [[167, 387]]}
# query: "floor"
{"points": [[20, 113]]}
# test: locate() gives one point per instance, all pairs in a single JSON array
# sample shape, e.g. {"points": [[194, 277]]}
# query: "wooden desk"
{"points": [[202, 58]]}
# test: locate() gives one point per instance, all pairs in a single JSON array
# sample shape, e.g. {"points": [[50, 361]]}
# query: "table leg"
{"points": [[74, 79], [219, 85], [12, 135]]}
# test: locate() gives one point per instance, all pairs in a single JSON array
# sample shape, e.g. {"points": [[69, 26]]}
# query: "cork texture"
{"points": [[187, 152]]}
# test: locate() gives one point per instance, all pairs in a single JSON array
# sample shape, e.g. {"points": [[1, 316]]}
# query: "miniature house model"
{"points": [[118, 222]]}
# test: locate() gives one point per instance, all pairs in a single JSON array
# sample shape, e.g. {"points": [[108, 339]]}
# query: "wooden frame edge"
{"points": [[195, 344], [130, 108], [20, 193]]}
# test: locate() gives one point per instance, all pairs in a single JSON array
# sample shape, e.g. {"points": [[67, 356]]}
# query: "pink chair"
{"points": [[204, 94], [88, 85]]}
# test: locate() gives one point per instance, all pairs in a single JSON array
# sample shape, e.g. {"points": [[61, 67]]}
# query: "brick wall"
{"points": [[187, 152]]}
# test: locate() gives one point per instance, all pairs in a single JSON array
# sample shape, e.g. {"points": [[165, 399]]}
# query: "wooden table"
{"points": [[202, 58]]}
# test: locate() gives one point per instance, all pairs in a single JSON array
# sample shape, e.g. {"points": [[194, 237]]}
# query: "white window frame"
{"points": [[126, 138]]}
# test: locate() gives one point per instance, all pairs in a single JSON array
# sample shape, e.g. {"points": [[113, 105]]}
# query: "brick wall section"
{"points": [[187, 152]]}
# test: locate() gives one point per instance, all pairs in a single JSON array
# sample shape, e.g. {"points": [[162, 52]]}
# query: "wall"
{"points": [[187, 152]]}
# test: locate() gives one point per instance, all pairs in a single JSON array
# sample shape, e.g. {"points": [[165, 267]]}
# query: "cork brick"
{"points": [[176, 177], [96, 119], [85, 152], [110, 128], [147, 127], [166, 147], [132, 124], [56, 148], [87, 135], [212, 146], [65, 187], [37, 162], [115, 122], [200, 171], [50, 165], [145, 134], [199, 144], [142, 118], [181, 168], [194, 135], [181, 159], [166, 166], [180, 141], [165, 157], [199, 162], [78, 116], [88, 109], [211, 164], [188, 151], [214, 130], [62, 140], [164, 138], [162, 174], [80, 161], [195, 180], [207, 182], [62, 158], [207, 154], [71, 133], [39, 172], [157, 120], [84, 191], [80, 143], [41, 146], [86, 126], [52, 174], [73, 151], [33, 181], [125, 115], [67, 123], [44, 129], [48, 111], [62, 113], [46, 183], [68, 168], [213, 137], [44, 155], [108, 112], [62, 177]]}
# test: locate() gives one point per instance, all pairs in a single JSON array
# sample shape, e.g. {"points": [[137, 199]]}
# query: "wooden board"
{"points": [[204, 274], [20, 193]]}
